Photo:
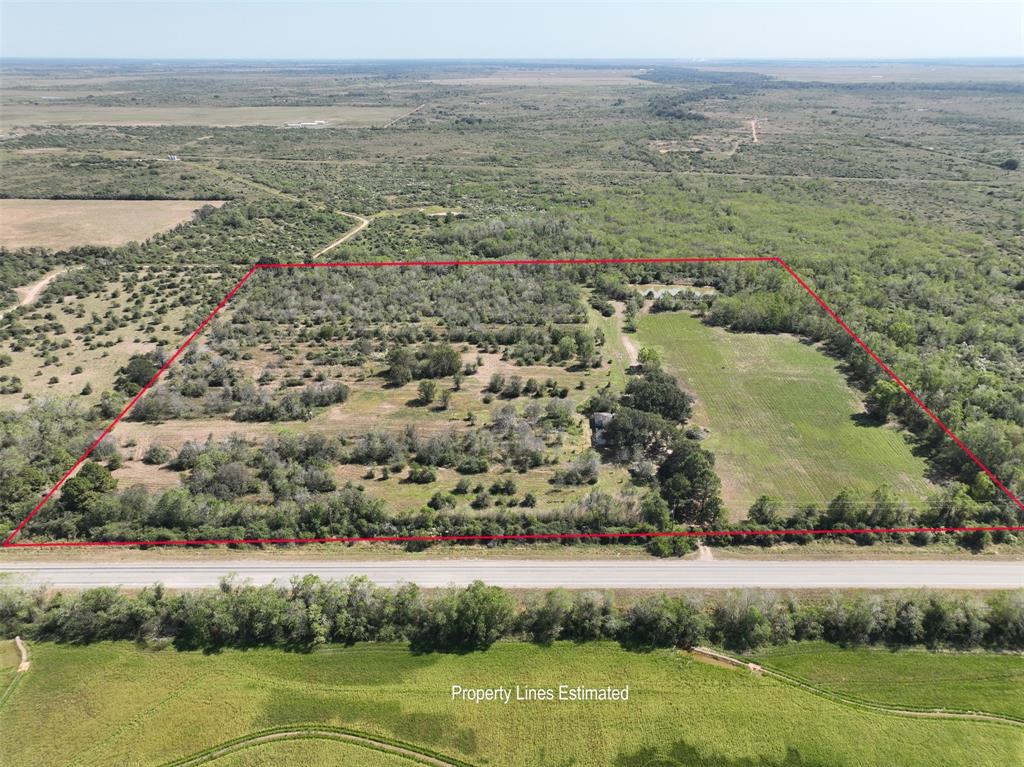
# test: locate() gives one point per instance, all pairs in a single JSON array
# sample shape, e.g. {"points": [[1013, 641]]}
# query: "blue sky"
{"points": [[294, 29]]}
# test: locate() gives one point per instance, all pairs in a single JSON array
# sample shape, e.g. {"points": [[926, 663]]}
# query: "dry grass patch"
{"points": [[334, 116], [59, 224]]}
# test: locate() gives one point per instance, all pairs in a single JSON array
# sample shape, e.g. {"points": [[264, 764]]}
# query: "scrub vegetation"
{"points": [[501, 400]]}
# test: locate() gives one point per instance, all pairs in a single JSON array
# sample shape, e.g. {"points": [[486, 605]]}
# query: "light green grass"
{"points": [[116, 704], [9, 656], [781, 416], [965, 681], [612, 352], [311, 752]]}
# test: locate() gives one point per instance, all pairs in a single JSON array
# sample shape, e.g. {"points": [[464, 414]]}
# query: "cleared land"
{"points": [[151, 708], [782, 419], [63, 223], [18, 115]]}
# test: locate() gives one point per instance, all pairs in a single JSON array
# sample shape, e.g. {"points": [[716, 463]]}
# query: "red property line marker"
{"points": [[8, 542]]}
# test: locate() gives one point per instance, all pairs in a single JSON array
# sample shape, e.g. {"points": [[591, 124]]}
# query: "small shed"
{"points": [[598, 423]]}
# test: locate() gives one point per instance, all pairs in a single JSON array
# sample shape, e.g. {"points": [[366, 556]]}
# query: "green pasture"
{"points": [[783, 421], [917, 679], [119, 704]]}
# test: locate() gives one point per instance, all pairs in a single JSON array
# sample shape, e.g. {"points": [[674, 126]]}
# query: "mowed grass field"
{"points": [[963, 681], [311, 752], [781, 416], [59, 224], [17, 115], [115, 703]]}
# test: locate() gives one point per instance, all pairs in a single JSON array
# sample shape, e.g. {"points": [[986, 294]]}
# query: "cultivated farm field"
{"points": [[59, 224], [782, 419], [149, 707]]}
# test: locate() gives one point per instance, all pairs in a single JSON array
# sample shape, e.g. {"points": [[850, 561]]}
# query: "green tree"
{"points": [[654, 511], [766, 511], [427, 392], [91, 481], [401, 363]]}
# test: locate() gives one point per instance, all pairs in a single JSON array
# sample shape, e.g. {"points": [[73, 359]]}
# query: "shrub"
{"points": [[583, 471], [421, 475], [157, 455]]}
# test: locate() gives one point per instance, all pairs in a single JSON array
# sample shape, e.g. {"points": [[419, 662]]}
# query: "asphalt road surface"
{"points": [[580, 574]]}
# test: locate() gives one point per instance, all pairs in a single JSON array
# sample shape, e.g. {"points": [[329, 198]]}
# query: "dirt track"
{"points": [[29, 294], [23, 650], [361, 224], [312, 732]]}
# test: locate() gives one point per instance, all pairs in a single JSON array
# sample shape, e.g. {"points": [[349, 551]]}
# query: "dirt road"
{"points": [[361, 224], [632, 352], [29, 294], [407, 114], [23, 651]]}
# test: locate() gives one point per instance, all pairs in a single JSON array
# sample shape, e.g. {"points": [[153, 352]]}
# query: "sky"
{"points": [[495, 29]]}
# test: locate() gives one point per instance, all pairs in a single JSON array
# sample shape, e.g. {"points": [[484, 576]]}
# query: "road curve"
{"points": [[580, 574]]}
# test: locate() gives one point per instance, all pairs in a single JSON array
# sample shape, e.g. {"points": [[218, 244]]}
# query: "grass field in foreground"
{"points": [[117, 704], [781, 416], [310, 752], [59, 224], [964, 681]]}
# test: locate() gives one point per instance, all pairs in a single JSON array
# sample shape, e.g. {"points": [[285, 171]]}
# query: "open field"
{"points": [[782, 420], [17, 115], [57, 224], [955, 681], [311, 750], [153, 707]]}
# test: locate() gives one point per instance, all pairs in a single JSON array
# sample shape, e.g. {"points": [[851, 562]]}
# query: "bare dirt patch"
{"points": [[27, 294], [64, 223]]}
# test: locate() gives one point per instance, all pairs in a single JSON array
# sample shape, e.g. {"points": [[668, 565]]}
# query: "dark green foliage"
{"points": [[310, 612], [664, 621], [657, 392], [137, 373], [473, 618], [422, 475]]}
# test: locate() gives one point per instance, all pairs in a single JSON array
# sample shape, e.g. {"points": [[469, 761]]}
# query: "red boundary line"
{"points": [[8, 542]]}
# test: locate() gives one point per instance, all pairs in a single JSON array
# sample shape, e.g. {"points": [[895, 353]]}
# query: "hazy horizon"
{"points": [[489, 30], [979, 60]]}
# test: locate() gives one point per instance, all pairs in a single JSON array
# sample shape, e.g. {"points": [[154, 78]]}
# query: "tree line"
{"points": [[310, 612]]}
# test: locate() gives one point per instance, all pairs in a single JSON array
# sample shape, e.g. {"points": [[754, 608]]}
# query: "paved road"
{"points": [[536, 573]]}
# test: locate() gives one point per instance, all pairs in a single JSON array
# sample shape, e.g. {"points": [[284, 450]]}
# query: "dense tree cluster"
{"points": [[645, 432], [310, 612]]}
